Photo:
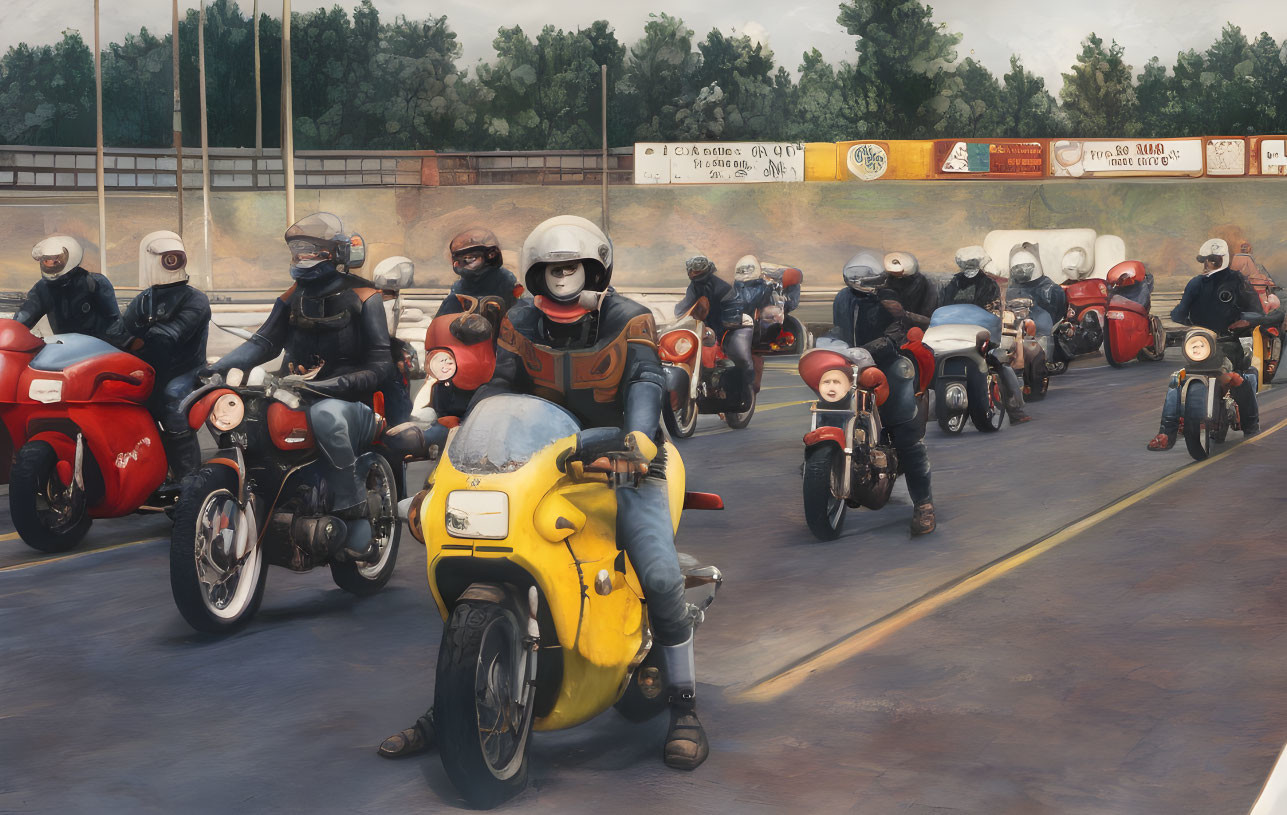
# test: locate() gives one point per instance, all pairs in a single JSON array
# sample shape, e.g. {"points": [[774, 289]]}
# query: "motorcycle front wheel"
{"points": [[214, 590], [824, 499], [681, 422], [987, 411], [46, 515], [1197, 428], [483, 733], [949, 421], [1157, 350], [368, 577], [739, 421]]}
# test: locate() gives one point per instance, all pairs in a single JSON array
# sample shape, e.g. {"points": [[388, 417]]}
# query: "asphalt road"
{"points": [[1110, 649]]}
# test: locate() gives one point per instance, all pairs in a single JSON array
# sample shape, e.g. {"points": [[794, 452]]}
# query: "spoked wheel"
{"points": [[1197, 429], [681, 421], [946, 393], [216, 589], [1056, 368], [484, 732], [824, 498], [987, 409], [1157, 349], [368, 577], [48, 515]]}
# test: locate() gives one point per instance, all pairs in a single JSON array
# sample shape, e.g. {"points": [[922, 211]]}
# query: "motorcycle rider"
{"points": [[335, 334], [391, 276], [1216, 299], [861, 317], [914, 294], [723, 313], [579, 322], [1075, 265], [972, 286], [74, 300], [168, 324], [1028, 280], [476, 259], [750, 279]]}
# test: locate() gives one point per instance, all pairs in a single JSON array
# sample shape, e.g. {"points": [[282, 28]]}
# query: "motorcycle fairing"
{"points": [[1086, 293]]}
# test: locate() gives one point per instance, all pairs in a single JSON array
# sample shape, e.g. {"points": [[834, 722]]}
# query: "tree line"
{"points": [[362, 82]]}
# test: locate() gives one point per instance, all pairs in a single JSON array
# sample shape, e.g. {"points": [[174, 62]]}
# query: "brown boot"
{"points": [[686, 745], [1017, 416], [415, 739], [923, 519], [1162, 441]]}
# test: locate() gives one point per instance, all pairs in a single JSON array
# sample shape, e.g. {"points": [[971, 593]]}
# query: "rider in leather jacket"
{"points": [[476, 259], [861, 317], [1027, 279], [74, 300], [168, 324], [724, 312], [917, 296], [1216, 300], [594, 352], [335, 334]]}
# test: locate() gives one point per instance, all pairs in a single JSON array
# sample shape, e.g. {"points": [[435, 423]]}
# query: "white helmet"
{"points": [[162, 259], [392, 274], [1075, 265], [57, 255], [971, 259], [1214, 247], [747, 269], [901, 264], [565, 240], [1025, 263]]}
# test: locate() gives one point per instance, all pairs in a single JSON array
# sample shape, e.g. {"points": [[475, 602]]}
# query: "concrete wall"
{"points": [[814, 226]]}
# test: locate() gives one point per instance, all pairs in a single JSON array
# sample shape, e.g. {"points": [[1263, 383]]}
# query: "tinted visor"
{"points": [[173, 261], [304, 251], [1217, 259], [52, 264]]}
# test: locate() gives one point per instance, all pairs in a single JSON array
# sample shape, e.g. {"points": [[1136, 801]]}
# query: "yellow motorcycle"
{"points": [[545, 625]]}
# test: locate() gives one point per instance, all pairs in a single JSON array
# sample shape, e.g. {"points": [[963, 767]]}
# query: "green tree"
{"points": [[819, 107], [1269, 73], [975, 107], [659, 74], [47, 93], [743, 71], [1157, 110], [418, 99], [1098, 96], [137, 92], [1027, 109]]}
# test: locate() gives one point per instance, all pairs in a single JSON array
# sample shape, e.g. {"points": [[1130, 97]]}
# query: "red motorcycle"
{"points": [[1083, 329], [1131, 331], [700, 378], [73, 408]]}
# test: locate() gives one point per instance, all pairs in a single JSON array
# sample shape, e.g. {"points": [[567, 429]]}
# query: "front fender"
{"points": [[825, 435], [231, 458], [677, 381]]}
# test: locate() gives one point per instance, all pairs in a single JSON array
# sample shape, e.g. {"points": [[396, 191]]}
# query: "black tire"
{"points": [[682, 422], [986, 412], [1220, 424], [645, 694], [1057, 368], [739, 421], [43, 515], [824, 511], [483, 778], [1037, 380], [1197, 430], [1273, 359], [208, 494], [366, 579], [801, 334], [1157, 350], [949, 421]]}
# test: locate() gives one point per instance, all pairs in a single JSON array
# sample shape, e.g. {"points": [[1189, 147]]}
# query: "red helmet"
{"points": [[1126, 273], [468, 338]]}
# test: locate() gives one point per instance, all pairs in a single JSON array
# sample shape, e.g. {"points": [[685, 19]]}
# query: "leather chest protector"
{"points": [[588, 381], [326, 330]]}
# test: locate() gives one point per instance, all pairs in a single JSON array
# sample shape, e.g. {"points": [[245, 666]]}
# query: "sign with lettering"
{"points": [[867, 160], [718, 162], [1226, 157], [1082, 158], [989, 159], [1270, 156]]}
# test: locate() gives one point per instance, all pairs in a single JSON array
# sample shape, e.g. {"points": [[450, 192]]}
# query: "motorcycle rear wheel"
{"points": [[824, 506], [1037, 379], [1157, 350], [1197, 429], [366, 578], [213, 598], [987, 409], [682, 422], [739, 421], [44, 515], [483, 734]]}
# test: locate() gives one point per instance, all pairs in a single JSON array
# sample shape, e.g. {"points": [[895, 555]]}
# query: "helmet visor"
{"points": [[320, 226], [306, 253], [51, 265], [173, 261]]}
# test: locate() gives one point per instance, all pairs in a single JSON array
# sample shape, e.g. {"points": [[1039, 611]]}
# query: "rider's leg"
{"points": [[1165, 438], [908, 429], [1013, 396], [182, 450], [342, 429], [737, 344], [643, 526], [1244, 394]]}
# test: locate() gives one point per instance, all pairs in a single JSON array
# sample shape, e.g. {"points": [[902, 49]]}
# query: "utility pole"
{"points": [[603, 176], [288, 118], [205, 145], [98, 152], [259, 106], [178, 116]]}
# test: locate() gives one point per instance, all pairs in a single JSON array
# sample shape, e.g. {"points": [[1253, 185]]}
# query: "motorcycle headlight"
{"points": [[480, 514], [1197, 347], [227, 412], [683, 345]]}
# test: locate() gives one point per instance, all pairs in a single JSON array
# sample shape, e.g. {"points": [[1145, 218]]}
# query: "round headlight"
{"points": [[227, 412], [1197, 348], [683, 345]]}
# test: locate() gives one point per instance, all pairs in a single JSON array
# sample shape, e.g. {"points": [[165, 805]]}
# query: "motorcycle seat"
{"points": [[61, 351], [1126, 304]]}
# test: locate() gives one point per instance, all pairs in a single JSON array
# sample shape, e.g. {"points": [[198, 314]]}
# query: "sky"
{"points": [[1047, 35]]}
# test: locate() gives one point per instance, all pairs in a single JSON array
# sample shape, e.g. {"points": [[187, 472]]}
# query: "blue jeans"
{"points": [[644, 529]]}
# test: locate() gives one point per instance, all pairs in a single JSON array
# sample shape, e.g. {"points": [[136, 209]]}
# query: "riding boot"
{"points": [[415, 739], [686, 745], [350, 505], [182, 453], [408, 442]]}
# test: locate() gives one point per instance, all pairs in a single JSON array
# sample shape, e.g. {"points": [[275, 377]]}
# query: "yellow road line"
{"points": [[43, 561], [9, 537], [771, 687]]}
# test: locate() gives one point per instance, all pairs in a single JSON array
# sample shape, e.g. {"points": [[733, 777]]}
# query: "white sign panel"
{"points": [[1273, 157], [1076, 158], [1226, 157], [718, 162]]}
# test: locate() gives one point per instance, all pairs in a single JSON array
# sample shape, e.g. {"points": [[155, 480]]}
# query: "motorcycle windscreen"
{"points": [[967, 314], [503, 432]]}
